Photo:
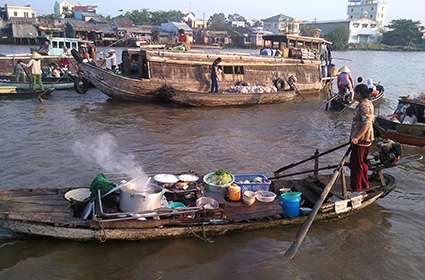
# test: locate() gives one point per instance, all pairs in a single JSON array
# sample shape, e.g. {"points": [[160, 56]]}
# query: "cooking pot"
{"points": [[134, 200]]}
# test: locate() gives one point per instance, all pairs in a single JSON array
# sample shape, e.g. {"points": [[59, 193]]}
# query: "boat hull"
{"points": [[413, 135]]}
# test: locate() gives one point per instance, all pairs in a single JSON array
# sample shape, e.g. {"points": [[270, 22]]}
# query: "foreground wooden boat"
{"points": [[389, 127], [337, 104], [64, 83], [45, 213], [147, 72]]}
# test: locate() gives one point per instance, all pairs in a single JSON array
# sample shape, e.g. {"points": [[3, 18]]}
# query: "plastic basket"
{"points": [[252, 186]]}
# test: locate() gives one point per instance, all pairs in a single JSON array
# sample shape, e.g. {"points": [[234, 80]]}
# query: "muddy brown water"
{"points": [[37, 148]]}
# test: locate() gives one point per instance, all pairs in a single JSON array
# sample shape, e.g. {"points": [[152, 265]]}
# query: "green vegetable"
{"points": [[220, 177]]}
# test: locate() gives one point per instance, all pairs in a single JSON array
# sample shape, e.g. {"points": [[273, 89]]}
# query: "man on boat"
{"points": [[184, 40], [112, 59], [345, 82], [35, 65], [362, 138], [19, 72], [215, 72]]}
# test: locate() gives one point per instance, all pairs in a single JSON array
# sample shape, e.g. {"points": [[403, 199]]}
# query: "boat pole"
{"points": [[302, 232], [292, 165]]}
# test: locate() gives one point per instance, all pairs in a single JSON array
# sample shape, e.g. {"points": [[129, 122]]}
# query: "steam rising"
{"points": [[104, 151]]}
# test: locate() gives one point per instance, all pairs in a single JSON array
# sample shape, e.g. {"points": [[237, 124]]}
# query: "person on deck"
{"points": [[112, 58], [44, 47], [19, 72], [35, 65], [345, 81], [410, 116], [362, 138], [184, 40], [215, 72]]}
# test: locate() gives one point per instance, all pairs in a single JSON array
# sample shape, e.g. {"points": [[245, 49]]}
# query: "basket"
{"points": [[252, 186]]}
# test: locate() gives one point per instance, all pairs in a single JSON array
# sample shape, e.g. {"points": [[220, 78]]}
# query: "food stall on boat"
{"points": [[395, 127], [185, 77], [185, 204]]}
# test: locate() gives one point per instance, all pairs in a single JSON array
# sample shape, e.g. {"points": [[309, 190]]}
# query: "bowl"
{"points": [[78, 195], [265, 196], [207, 203], [249, 198], [217, 188]]}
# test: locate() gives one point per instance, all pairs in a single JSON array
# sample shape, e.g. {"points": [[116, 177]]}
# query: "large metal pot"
{"points": [[134, 201]]}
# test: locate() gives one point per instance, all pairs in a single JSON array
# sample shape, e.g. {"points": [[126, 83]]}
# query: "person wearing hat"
{"points": [[35, 65], [345, 81], [362, 138], [112, 58]]}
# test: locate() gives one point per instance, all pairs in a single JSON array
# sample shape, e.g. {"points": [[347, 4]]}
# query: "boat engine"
{"points": [[389, 153]]}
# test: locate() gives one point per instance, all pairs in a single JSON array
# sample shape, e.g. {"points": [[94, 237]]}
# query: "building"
{"points": [[86, 16], [12, 11], [281, 24], [194, 23], [212, 38], [238, 23], [63, 8], [85, 8], [22, 31], [374, 10], [51, 27], [256, 37]]}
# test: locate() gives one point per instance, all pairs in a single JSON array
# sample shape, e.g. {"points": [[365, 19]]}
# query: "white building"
{"points": [[63, 7], [371, 9], [12, 11], [238, 23], [364, 31], [281, 24], [193, 22]]}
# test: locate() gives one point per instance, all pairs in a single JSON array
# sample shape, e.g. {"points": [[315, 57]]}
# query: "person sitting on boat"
{"points": [[92, 51], [410, 116], [372, 87], [215, 72], [184, 40], [55, 70], [362, 138], [44, 47], [266, 52], [64, 63], [35, 65], [345, 84], [19, 72]]}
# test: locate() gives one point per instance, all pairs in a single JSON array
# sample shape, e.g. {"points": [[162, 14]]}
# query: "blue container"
{"points": [[291, 203], [265, 186]]}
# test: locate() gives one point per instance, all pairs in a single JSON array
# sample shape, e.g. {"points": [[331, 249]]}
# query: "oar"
{"points": [[292, 165], [302, 232]]}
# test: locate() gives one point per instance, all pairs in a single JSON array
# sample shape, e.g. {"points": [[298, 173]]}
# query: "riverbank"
{"points": [[382, 47]]}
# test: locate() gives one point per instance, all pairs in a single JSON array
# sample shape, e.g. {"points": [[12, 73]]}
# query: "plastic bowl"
{"points": [[217, 188], [249, 198], [207, 203], [265, 196]]}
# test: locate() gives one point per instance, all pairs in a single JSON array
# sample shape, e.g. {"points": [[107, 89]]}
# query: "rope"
{"points": [[204, 236], [102, 236]]}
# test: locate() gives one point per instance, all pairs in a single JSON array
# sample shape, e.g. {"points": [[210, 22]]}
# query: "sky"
{"points": [[300, 9]]}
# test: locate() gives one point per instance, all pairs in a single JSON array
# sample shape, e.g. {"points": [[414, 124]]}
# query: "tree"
{"points": [[403, 32], [236, 17], [217, 22], [257, 23], [339, 37], [139, 17], [158, 17]]}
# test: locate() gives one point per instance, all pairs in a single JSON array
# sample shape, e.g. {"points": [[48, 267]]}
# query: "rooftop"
{"points": [[279, 17]]}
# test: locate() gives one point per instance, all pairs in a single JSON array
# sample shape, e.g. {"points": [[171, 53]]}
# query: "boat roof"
{"points": [[287, 37], [420, 101]]}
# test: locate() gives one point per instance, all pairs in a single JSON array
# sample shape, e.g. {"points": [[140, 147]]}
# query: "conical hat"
{"points": [[345, 69], [35, 55]]}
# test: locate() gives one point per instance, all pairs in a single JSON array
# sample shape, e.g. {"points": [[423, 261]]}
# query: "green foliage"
{"points": [[217, 22], [49, 17], [339, 37], [144, 16], [403, 32]]}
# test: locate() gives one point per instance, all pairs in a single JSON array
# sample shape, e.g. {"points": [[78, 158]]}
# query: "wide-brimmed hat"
{"points": [[345, 69], [35, 55]]}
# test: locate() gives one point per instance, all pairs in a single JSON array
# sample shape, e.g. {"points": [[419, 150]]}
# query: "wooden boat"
{"points": [[336, 104], [63, 83], [389, 127], [15, 92], [228, 99], [147, 72], [45, 213]]}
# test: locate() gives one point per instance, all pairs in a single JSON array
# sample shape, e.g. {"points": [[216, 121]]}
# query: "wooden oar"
{"points": [[292, 165], [302, 232]]}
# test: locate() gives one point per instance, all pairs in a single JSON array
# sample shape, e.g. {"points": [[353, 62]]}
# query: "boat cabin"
{"points": [[295, 46], [411, 107], [57, 44]]}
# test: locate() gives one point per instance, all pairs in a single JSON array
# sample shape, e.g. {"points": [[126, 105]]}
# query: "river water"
{"points": [[57, 144]]}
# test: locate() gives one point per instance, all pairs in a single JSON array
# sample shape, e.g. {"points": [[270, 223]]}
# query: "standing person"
{"points": [[184, 40], [92, 51], [215, 71], [19, 72], [35, 65], [345, 81], [361, 139], [112, 58], [44, 47]]}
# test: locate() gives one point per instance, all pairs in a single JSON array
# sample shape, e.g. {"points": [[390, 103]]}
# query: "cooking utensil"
{"points": [[188, 178], [207, 203], [135, 201], [265, 196], [78, 195], [167, 179]]}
